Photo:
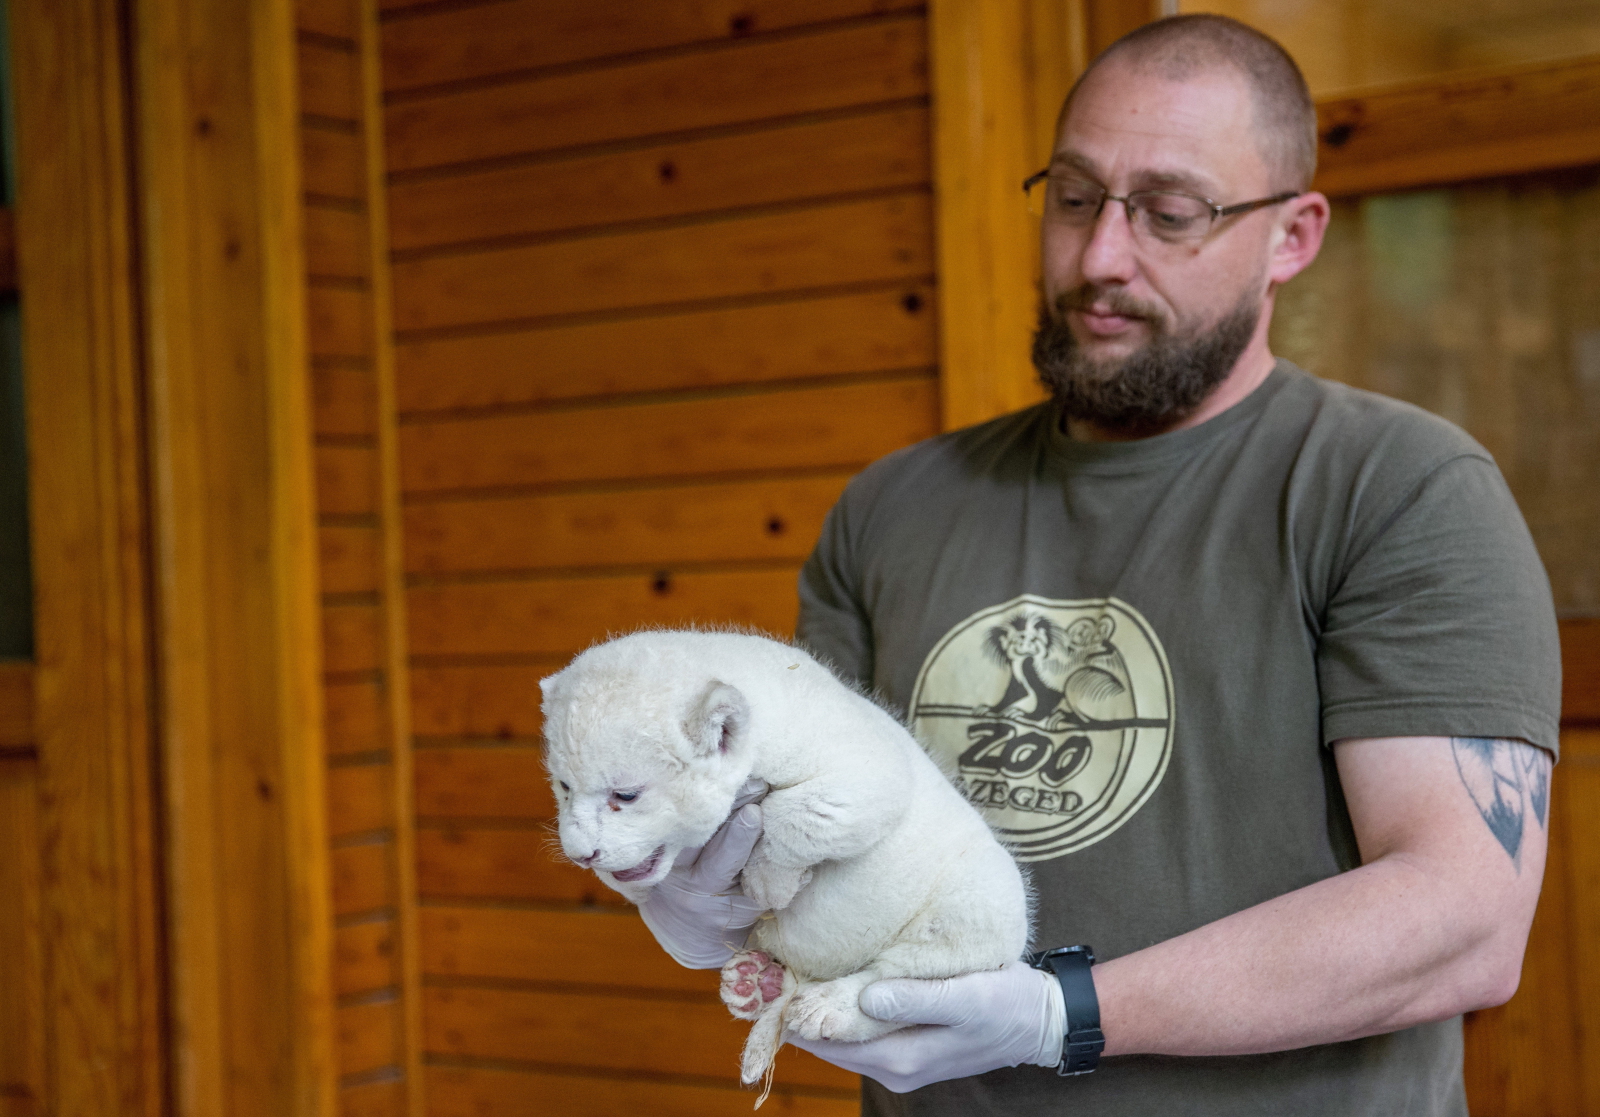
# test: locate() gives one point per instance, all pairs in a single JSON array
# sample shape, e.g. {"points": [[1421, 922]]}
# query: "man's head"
{"points": [[1147, 321]]}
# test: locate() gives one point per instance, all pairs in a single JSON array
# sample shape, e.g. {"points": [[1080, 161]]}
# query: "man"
{"points": [[1258, 674]]}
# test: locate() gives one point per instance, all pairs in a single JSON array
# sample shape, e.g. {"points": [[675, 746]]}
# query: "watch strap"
{"points": [[1081, 1047]]}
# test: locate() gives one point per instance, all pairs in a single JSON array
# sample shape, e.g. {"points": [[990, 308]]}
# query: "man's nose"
{"points": [[1110, 254]]}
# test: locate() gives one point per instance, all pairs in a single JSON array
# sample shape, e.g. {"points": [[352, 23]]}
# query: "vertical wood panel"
{"points": [[252, 996], [104, 997], [22, 1053]]}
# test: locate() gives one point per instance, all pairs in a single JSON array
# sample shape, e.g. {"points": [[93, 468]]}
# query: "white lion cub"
{"points": [[871, 863]]}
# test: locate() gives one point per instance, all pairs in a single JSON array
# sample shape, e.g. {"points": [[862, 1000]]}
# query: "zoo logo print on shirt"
{"points": [[1056, 717]]}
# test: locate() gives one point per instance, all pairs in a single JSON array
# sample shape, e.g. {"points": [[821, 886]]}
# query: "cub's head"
{"points": [[645, 755]]}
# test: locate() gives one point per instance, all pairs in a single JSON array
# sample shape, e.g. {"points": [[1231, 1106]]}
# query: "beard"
{"points": [[1151, 389]]}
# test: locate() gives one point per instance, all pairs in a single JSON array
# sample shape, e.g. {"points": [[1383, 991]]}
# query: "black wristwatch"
{"points": [[1080, 1051]]}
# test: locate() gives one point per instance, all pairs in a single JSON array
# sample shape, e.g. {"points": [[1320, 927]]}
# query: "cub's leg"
{"points": [[752, 981], [832, 1010]]}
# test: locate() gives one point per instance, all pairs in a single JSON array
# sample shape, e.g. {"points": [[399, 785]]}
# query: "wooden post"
{"points": [[236, 589], [1001, 69], [103, 988]]}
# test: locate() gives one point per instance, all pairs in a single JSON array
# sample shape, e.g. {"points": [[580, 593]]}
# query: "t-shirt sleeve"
{"points": [[833, 624], [1442, 623]]}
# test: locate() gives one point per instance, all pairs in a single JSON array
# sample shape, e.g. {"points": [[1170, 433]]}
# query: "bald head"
{"points": [[1180, 48]]}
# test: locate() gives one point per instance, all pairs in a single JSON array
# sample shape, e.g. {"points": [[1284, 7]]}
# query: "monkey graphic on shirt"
{"points": [[1055, 717], [1060, 676]]}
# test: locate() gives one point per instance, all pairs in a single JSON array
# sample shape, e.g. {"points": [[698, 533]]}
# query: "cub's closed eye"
{"points": [[625, 796], [564, 786]]}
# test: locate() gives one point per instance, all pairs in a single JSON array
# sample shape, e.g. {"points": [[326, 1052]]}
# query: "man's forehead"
{"points": [[1153, 132]]}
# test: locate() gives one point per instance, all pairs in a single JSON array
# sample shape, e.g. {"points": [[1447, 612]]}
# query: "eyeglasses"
{"points": [[1164, 215]]}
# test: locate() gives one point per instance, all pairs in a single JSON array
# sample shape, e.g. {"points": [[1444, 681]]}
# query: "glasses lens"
{"points": [[1071, 201], [1169, 216]]}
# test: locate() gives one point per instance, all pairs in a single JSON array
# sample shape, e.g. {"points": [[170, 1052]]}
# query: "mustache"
{"points": [[1115, 300]]}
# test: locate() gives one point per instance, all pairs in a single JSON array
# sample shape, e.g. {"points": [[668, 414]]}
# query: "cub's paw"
{"points": [[751, 981], [771, 885], [829, 1011]]}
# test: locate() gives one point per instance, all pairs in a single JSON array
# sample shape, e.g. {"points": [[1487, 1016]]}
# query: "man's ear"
{"points": [[1298, 239], [717, 720]]}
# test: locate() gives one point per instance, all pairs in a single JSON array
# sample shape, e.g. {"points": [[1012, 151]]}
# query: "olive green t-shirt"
{"points": [[1132, 655]]}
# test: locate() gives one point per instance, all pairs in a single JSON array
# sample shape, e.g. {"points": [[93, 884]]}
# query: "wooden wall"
{"points": [[22, 1051], [662, 283], [365, 690]]}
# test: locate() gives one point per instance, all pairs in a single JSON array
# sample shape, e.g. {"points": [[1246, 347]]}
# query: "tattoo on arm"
{"points": [[1505, 778]]}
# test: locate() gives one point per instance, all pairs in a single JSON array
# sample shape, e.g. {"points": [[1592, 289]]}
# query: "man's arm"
{"points": [[1452, 834]]}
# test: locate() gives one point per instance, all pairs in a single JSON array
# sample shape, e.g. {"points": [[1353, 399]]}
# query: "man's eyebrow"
{"points": [[1142, 180]]}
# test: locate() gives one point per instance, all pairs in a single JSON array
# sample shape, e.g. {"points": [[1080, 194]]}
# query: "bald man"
{"points": [[1256, 673]]}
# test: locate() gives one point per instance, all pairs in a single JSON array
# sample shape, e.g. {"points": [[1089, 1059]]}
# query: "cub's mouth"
{"points": [[642, 869]]}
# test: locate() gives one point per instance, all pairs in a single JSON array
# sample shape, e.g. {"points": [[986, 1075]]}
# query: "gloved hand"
{"points": [[697, 913], [976, 1023]]}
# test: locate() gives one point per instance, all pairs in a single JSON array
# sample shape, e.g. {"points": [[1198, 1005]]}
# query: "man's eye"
{"points": [[625, 796]]}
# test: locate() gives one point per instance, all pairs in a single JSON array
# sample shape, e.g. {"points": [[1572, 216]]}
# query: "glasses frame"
{"points": [[1218, 211]]}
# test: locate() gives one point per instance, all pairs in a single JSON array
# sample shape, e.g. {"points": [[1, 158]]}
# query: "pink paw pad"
{"points": [[750, 982]]}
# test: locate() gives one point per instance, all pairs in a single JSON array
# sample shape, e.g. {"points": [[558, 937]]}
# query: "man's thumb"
{"points": [[906, 1000]]}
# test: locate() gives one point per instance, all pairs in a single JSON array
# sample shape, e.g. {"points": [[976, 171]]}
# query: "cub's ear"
{"points": [[715, 722]]}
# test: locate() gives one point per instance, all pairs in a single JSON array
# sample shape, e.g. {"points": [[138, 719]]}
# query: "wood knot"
{"points": [[912, 302], [1338, 135], [661, 584], [775, 525], [667, 171], [741, 25]]}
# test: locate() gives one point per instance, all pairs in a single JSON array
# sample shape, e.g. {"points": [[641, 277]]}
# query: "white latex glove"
{"points": [[697, 913], [976, 1023]]}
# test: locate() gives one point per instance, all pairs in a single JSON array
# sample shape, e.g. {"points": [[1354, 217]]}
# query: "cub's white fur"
{"points": [[870, 862]]}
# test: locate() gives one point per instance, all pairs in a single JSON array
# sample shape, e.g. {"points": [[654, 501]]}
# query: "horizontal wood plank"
{"points": [[823, 427], [564, 615], [354, 717], [337, 18], [603, 1031], [1580, 669], [692, 523], [494, 39], [384, 1098], [330, 81], [880, 151], [457, 863], [505, 782], [361, 878], [364, 957], [347, 480], [880, 61], [16, 704], [352, 638], [333, 163], [879, 240], [367, 1036], [1502, 122], [344, 401], [336, 242], [870, 332], [480, 700], [580, 947], [339, 322], [475, 1092], [360, 798], [348, 559]]}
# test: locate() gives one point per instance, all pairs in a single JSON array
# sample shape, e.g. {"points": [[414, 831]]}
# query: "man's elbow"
{"points": [[1493, 973]]}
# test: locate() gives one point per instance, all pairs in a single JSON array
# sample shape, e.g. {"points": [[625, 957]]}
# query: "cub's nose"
{"points": [[587, 860]]}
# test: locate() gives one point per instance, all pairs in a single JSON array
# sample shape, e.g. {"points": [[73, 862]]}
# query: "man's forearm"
{"points": [[1417, 934]]}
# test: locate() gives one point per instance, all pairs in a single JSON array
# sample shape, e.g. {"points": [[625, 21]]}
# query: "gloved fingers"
{"points": [[753, 790], [723, 857], [900, 1061], [909, 1000]]}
